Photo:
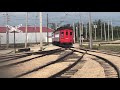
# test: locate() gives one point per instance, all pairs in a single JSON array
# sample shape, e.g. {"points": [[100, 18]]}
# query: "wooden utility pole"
{"points": [[7, 32], [112, 30], [14, 43], [0, 40], [26, 29], [95, 26], [108, 31], [86, 33], [74, 31], [101, 31], [35, 34], [80, 27], [35, 31], [80, 33], [47, 30], [41, 31], [117, 34], [104, 31], [77, 34], [90, 32]]}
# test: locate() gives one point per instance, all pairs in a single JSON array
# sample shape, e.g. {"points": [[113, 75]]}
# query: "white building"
{"points": [[33, 35]]}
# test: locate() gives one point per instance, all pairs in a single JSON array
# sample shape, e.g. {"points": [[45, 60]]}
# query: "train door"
{"points": [[62, 34], [71, 36]]}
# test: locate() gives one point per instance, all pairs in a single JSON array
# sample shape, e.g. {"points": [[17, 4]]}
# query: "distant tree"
{"points": [[116, 32]]}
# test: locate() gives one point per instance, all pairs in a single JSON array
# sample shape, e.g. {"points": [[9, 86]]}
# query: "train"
{"points": [[63, 36]]}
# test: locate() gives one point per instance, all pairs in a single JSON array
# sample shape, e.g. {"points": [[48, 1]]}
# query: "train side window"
{"points": [[66, 33], [62, 32], [70, 33]]}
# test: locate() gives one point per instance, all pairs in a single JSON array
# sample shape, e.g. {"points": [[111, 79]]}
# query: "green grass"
{"points": [[111, 48], [87, 47], [104, 47]]}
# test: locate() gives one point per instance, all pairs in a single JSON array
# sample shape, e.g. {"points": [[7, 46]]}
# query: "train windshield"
{"points": [[70, 33]]}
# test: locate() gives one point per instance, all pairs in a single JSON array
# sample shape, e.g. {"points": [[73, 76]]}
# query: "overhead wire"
{"points": [[67, 17]]}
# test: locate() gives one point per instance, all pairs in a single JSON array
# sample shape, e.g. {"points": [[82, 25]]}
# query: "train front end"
{"points": [[66, 37]]}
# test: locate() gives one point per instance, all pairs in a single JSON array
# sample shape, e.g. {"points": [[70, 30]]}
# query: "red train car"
{"points": [[63, 36]]}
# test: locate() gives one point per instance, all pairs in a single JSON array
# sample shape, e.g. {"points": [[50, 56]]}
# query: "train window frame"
{"points": [[70, 33]]}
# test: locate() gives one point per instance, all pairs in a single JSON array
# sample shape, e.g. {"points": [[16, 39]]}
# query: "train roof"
{"points": [[64, 27]]}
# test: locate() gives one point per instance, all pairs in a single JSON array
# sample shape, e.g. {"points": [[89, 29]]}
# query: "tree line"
{"points": [[100, 25]]}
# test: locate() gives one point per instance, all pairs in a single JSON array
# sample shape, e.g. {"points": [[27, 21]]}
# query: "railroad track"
{"points": [[111, 70], [104, 52], [13, 57], [17, 64], [69, 59], [4, 58], [72, 68], [8, 57], [45, 65], [110, 53], [17, 59]]}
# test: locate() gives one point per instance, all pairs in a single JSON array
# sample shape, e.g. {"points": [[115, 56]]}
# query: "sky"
{"points": [[16, 18]]}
